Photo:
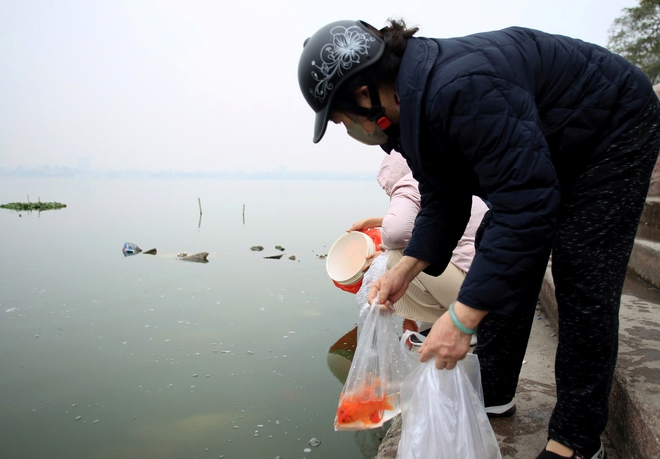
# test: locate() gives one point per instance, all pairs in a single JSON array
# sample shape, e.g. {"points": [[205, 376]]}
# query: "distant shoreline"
{"points": [[67, 172]]}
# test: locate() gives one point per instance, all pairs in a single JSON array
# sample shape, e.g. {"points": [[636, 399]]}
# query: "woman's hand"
{"points": [[372, 257], [391, 286], [366, 223], [446, 343]]}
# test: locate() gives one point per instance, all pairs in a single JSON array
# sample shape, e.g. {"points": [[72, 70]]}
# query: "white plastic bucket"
{"points": [[346, 258]]}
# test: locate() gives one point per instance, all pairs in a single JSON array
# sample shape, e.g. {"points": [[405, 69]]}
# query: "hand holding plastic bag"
{"points": [[443, 415], [376, 269], [370, 396]]}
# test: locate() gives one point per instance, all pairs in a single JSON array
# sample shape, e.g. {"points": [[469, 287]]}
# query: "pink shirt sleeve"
{"points": [[464, 252], [399, 221]]}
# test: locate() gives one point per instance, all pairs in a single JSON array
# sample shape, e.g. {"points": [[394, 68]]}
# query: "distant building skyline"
{"points": [[83, 171]]}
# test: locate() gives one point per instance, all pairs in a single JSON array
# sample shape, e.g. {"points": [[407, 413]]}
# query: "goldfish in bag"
{"points": [[371, 393], [367, 408]]}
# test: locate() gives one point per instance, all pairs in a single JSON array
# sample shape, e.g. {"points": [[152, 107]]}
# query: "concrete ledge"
{"points": [[649, 223], [651, 212], [645, 261], [634, 424]]}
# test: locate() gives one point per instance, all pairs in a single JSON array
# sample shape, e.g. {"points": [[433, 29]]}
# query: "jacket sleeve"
{"points": [[445, 211], [496, 126], [398, 224]]}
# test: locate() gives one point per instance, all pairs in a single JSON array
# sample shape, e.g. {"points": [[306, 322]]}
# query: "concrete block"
{"points": [[645, 261], [651, 214]]}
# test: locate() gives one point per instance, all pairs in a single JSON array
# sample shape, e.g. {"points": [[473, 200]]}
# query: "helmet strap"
{"points": [[371, 113], [374, 113], [377, 110]]}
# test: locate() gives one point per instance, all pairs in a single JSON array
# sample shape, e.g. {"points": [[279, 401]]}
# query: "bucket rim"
{"points": [[371, 248]]}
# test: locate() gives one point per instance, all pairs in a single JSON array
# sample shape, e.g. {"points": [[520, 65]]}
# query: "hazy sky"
{"points": [[202, 85]]}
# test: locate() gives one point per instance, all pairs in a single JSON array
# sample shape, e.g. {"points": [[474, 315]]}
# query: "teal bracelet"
{"points": [[459, 325]]}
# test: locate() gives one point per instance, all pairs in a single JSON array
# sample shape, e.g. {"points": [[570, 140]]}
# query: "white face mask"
{"points": [[378, 137]]}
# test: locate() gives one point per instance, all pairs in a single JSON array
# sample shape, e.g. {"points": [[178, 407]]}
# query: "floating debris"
{"points": [[256, 248], [17, 206], [200, 257], [307, 450], [250, 352], [292, 257], [274, 257], [130, 249], [78, 418], [133, 249], [314, 442], [280, 248]]}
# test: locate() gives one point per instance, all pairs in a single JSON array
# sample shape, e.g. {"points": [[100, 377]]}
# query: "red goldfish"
{"points": [[357, 409]]}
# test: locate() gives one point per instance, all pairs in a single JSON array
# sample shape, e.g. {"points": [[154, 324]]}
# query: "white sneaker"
{"points": [[501, 411]]}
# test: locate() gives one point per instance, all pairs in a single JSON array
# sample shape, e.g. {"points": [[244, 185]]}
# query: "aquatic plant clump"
{"points": [[33, 206]]}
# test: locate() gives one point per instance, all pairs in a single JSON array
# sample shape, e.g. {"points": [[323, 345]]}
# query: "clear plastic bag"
{"points": [[370, 396], [376, 269], [443, 415]]}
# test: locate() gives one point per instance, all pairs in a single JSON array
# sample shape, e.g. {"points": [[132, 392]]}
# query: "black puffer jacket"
{"points": [[512, 116]]}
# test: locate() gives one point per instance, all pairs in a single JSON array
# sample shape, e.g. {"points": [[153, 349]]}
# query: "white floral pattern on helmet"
{"points": [[348, 44]]}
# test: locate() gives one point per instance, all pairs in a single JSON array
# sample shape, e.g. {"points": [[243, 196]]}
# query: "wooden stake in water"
{"points": [[199, 201]]}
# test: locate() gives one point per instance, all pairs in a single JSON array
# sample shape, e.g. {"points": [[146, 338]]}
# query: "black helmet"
{"points": [[330, 57]]}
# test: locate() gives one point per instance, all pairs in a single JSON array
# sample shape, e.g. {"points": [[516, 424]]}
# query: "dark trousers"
{"points": [[594, 238]]}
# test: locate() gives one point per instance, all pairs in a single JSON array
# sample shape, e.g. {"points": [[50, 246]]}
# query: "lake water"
{"points": [[104, 356]]}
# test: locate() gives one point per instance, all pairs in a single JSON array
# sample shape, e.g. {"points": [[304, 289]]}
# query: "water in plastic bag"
{"points": [[443, 415], [371, 394]]}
